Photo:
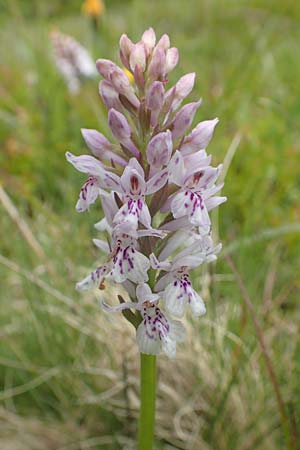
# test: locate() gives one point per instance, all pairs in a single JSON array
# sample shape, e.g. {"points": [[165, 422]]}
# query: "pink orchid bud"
{"points": [[126, 46], [184, 87], [95, 140], [122, 84], [164, 42], [109, 96], [119, 126], [101, 147], [200, 136], [155, 96], [149, 40], [105, 67], [159, 149], [184, 119], [138, 57], [171, 59], [155, 100], [157, 66], [121, 130]]}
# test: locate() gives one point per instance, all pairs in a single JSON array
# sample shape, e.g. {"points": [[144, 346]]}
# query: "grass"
{"points": [[69, 374]]}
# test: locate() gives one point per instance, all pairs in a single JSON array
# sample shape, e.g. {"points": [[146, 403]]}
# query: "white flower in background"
{"points": [[72, 60], [156, 186]]}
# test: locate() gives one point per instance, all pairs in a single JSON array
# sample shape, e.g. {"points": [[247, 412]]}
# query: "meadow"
{"points": [[68, 372]]}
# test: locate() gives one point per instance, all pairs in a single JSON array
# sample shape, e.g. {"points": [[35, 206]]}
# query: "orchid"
{"points": [[156, 186]]}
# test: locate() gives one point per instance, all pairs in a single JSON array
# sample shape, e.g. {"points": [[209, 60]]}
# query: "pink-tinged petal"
{"points": [[197, 305], [95, 140], [177, 169], [111, 181], [172, 57], [157, 65], [200, 137], [163, 282], [144, 216], [144, 294], [177, 224], [103, 225], [184, 118], [110, 96], [105, 67], [119, 125], [175, 299], [88, 194], [103, 245], [212, 191], [190, 261], [155, 100], [209, 176], [126, 46], [121, 83], [195, 162], [213, 202], [149, 40], [157, 181], [134, 164], [183, 88], [152, 232], [94, 279], [159, 265], [175, 240], [163, 43], [133, 182], [111, 309], [101, 147], [109, 206], [138, 57], [86, 164], [159, 149]]}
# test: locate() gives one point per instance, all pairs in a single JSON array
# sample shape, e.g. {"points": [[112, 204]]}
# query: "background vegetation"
{"points": [[69, 374]]}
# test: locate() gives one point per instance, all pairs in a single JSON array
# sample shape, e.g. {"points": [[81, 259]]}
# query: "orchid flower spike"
{"points": [[156, 187]]}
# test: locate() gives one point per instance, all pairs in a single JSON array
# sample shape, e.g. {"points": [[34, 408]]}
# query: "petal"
{"points": [[146, 344], [177, 331], [157, 181], [86, 164], [88, 194], [156, 264], [213, 202], [103, 245], [197, 304], [177, 169], [175, 299], [94, 279]]}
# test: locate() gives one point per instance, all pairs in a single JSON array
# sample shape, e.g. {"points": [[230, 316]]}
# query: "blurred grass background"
{"points": [[69, 374]]}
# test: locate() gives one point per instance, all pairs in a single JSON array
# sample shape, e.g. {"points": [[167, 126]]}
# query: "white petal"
{"points": [[177, 331], [175, 299], [103, 245], [92, 280], [197, 304], [147, 345], [157, 181]]}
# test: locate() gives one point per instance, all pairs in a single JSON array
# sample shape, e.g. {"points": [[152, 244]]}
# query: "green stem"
{"points": [[147, 396]]}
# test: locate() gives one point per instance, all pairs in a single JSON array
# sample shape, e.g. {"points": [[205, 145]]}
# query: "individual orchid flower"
{"points": [[125, 262], [178, 292], [133, 189], [195, 197], [145, 299], [99, 177], [156, 332]]}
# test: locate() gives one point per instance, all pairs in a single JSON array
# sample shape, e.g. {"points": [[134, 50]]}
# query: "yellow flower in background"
{"points": [[129, 75], [93, 8]]}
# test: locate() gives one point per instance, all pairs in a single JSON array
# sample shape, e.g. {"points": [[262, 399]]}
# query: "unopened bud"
{"points": [[184, 119]]}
